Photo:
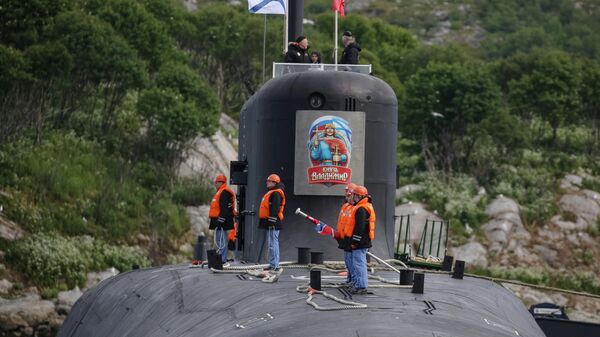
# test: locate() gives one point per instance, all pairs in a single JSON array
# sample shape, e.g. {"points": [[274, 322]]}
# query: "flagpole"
{"points": [[335, 53], [285, 27], [262, 79]]}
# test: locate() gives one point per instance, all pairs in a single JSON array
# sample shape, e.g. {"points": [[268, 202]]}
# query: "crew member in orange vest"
{"points": [[358, 234], [345, 213], [270, 214], [221, 214]]}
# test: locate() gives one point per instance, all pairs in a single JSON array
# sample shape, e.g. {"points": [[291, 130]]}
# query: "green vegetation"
{"points": [[100, 98], [577, 281], [52, 261]]}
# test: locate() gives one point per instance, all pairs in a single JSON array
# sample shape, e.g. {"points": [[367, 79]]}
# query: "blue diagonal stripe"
{"points": [[262, 4]]}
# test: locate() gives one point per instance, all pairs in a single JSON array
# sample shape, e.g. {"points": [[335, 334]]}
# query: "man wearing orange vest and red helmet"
{"points": [[345, 213], [270, 215], [359, 232], [221, 214]]}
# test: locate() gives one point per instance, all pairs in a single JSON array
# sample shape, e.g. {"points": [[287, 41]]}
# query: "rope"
{"points": [[218, 245], [346, 304]]}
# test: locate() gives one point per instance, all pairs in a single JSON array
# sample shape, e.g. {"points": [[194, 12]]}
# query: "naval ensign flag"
{"points": [[266, 6]]}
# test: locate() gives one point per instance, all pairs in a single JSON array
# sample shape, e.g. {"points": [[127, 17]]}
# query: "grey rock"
{"points": [[571, 182], [582, 205], [501, 205], [94, 278], [26, 311], [567, 226], [550, 256], [9, 230], [210, 156], [5, 286], [473, 253], [69, 297], [199, 219]]}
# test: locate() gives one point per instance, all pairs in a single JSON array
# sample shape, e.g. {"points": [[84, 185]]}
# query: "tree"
{"points": [[444, 104], [590, 98], [550, 90]]}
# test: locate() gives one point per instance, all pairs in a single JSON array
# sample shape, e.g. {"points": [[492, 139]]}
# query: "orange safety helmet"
{"points": [[221, 178], [274, 178], [350, 187], [360, 190]]}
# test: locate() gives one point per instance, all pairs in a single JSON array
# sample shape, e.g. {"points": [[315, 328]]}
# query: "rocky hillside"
{"points": [[566, 247]]}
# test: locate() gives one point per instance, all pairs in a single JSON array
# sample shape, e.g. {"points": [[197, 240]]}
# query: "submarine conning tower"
{"points": [[280, 126]]}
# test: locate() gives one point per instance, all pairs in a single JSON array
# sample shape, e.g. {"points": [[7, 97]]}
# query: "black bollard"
{"points": [[447, 264], [459, 269], [214, 259], [316, 258], [419, 283], [406, 277], [303, 255], [315, 279], [200, 249]]}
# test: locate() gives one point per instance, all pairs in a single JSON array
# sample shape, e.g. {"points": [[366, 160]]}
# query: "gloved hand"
{"points": [[323, 229]]}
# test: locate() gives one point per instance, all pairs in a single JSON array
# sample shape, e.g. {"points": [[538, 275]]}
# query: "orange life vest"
{"points": [[231, 235], [263, 211], [343, 218], [215, 206], [349, 226]]}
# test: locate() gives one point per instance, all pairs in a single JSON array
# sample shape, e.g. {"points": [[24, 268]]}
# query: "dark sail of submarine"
{"points": [[277, 135]]}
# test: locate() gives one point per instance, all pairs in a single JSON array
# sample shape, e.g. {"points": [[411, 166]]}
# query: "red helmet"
{"points": [[221, 178], [274, 178], [360, 190]]}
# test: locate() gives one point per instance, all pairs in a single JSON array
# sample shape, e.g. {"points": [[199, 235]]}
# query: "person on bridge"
{"points": [[270, 216], [351, 49], [298, 51], [221, 213], [359, 232]]}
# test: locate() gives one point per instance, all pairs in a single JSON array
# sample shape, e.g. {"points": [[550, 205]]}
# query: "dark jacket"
{"points": [[225, 219], [360, 236], [274, 205], [295, 54], [350, 54]]}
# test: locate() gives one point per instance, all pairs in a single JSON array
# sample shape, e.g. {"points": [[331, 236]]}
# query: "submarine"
{"points": [[306, 297], [279, 126]]}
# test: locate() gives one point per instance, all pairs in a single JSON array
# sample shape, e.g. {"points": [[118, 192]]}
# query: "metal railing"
{"points": [[280, 69], [433, 241]]}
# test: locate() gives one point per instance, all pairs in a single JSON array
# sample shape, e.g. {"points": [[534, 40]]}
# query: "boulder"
{"points": [[20, 313], [473, 253], [418, 216], [5, 286], [9, 230], [95, 278], [501, 205], [198, 218], [66, 299], [581, 204], [549, 255], [571, 182]]}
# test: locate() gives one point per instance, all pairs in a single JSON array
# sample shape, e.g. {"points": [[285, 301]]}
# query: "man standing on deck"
{"points": [[343, 218], [270, 215], [359, 232], [351, 49], [221, 214]]}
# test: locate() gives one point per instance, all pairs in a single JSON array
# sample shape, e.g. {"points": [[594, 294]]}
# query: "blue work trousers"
{"points": [[221, 243], [359, 264], [348, 261], [273, 243]]}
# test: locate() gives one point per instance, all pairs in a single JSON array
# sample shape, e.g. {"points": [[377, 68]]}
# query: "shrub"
{"points": [[577, 281], [454, 197], [50, 260]]}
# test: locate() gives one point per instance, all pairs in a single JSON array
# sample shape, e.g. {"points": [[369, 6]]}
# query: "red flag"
{"points": [[338, 6]]}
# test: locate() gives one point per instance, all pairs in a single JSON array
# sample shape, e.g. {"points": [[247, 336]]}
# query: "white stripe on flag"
{"points": [[266, 6]]}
